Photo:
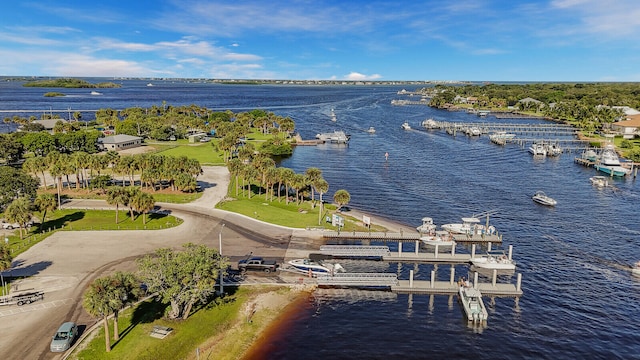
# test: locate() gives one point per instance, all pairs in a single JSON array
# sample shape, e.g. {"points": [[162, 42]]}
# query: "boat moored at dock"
{"points": [[315, 266], [494, 259], [609, 163], [472, 303], [337, 137], [427, 226], [538, 149], [439, 238], [470, 225]]}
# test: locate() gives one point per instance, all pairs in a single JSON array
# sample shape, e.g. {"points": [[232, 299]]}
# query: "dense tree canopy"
{"points": [[15, 184], [182, 278]]}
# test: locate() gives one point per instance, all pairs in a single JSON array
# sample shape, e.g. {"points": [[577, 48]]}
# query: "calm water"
{"points": [[580, 300]]}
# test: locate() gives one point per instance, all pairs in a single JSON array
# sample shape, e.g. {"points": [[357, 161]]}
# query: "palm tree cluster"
{"points": [[154, 171], [107, 295], [132, 197]]}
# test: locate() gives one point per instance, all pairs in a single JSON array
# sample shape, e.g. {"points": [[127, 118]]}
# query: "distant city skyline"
{"points": [[466, 40]]}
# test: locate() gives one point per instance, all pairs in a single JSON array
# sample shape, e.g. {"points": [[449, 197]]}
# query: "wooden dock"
{"points": [[406, 236]]}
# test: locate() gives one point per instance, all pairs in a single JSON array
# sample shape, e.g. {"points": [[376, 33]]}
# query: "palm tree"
{"points": [[18, 211], [143, 203], [322, 186], [341, 197], [313, 174], [46, 202], [127, 288], [36, 165], [100, 300], [116, 195], [287, 177], [298, 182], [6, 259], [234, 168]]}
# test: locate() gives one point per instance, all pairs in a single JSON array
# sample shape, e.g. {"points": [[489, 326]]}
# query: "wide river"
{"points": [[580, 300]]}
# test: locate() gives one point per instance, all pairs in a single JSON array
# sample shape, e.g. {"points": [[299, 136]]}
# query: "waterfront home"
{"points": [[628, 128]]}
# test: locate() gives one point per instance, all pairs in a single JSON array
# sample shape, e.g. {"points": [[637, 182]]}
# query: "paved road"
{"points": [[66, 262]]}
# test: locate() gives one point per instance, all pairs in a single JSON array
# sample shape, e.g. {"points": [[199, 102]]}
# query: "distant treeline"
{"points": [[69, 83]]}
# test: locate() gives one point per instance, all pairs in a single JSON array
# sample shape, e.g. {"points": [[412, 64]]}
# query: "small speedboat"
{"points": [[494, 259], [406, 126], [635, 270], [95, 93], [599, 181], [371, 130], [315, 267], [541, 198]]}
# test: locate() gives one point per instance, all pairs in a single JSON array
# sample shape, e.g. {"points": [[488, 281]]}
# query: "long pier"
{"points": [[406, 236]]}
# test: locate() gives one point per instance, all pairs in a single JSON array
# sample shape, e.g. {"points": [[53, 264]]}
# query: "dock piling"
{"points": [[510, 251], [475, 280], [494, 278], [473, 250], [411, 278], [518, 282], [433, 279]]}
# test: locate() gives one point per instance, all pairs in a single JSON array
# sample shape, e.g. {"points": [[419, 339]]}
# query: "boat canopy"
{"points": [[471, 220]]}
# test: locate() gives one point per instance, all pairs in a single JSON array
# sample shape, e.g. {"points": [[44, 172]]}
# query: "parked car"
{"points": [[205, 139], [10, 226], [257, 263], [63, 338]]}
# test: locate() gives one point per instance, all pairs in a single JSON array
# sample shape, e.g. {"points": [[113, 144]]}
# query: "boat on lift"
{"points": [[430, 124]]}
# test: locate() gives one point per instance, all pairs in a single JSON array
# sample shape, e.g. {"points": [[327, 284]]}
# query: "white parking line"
{"points": [[14, 309]]}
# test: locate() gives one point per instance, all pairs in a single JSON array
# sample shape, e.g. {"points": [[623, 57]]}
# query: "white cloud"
{"points": [[358, 76]]}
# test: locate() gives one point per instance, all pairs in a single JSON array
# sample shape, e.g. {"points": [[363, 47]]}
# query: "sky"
{"points": [[469, 40]]}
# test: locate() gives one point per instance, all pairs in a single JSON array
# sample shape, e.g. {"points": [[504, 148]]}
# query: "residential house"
{"points": [[119, 142], [629, 128]]}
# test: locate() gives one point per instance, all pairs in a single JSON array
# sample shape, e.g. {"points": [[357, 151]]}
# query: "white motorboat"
{"points": [[474, 131], [541, 198], [589, 155], [371, 130], [553, 149], [636, 269], [333, 116], [406, 126], [469, 226], [599, 181], [472, 303], [95, 93], [502, 135], [430, 124], [337, 136], [494, 259], [149, 84], [427, 226], [609, 163], [439, 238], [538, 149], [315, 267]]}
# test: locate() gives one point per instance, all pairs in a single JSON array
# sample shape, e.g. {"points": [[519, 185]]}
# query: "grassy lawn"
{"points": [[291, 215], [205, 153], [219, 329]]}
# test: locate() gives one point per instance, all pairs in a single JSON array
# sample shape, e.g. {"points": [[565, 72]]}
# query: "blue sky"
{"points": [[479, 40]]}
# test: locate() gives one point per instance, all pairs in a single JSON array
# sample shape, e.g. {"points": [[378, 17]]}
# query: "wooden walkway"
{"points": [[446, 287], [405, 236]]}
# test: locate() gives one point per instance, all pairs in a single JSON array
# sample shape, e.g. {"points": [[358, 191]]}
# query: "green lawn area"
{"points": [[218, 316], [291, 215], [205, 153]]}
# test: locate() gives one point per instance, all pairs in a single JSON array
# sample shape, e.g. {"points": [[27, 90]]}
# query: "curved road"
{"points": [[66, 262]]}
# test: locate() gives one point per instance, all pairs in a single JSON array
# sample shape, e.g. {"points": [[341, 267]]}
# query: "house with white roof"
{"points": [[119, 142]]}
